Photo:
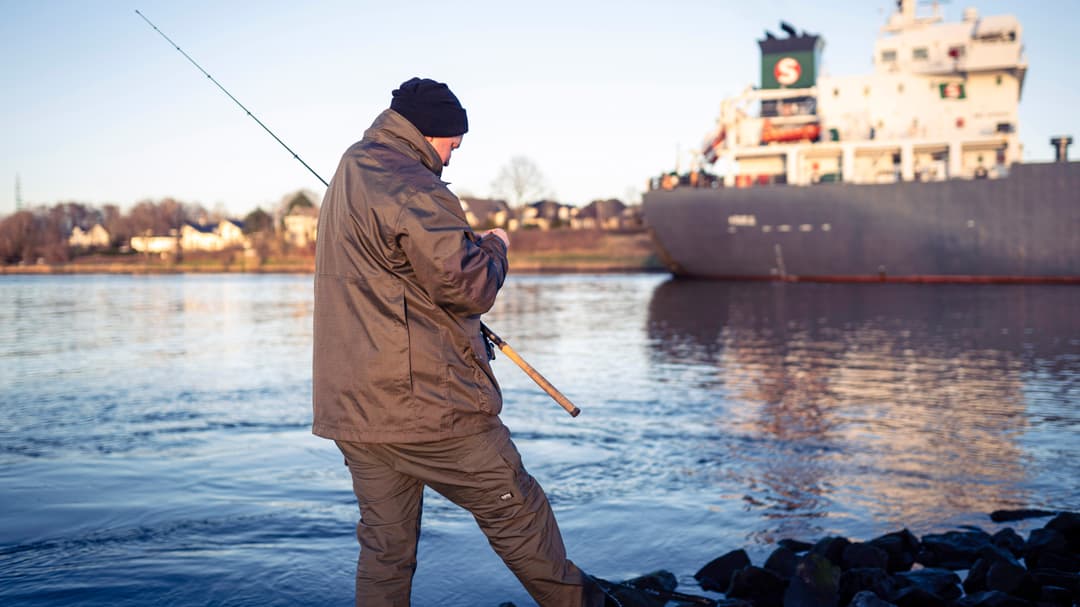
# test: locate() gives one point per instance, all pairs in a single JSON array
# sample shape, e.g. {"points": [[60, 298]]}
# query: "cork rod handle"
{"points": [[540, 380]]}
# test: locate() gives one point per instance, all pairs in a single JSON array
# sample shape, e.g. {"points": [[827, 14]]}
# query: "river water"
{"points": [[156, 445]]}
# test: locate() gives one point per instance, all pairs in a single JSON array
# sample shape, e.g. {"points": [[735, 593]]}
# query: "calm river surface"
{"points": [[156, 449]]}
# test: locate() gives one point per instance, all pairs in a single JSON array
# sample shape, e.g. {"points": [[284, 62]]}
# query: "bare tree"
{"points": [[258, 221], [16, 237], [117, 225], [219, 212], [162, 216], [520, 181], [28, 236]]}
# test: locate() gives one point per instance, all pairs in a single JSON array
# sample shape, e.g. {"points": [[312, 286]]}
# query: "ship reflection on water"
{"points": [[158, 435], [909, 403]]}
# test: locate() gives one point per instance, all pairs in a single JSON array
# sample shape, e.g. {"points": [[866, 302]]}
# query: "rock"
{"points": [[1061, 579], [868, 599], [913, 596], [716, 574], [1010, 540], [901, 546], [831, 548], [864, 556], [952, 550], [782, 562], [1004, 516], [942, 583], [856, 581], [660, 580], [758, 585], [1013, 579], [994, 554], [639, 591], [1068, 525], [988, 556], [1061, 562], [991, 598], [976, 577], [795, 545], [1043, 541], [815, 583], [1058, 597]]}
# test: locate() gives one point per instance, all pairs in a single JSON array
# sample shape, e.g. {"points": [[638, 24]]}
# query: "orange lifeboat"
{"points": [[807, 132]]}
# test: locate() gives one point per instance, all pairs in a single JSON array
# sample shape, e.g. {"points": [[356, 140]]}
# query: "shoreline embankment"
{"points": [[531, 252]]}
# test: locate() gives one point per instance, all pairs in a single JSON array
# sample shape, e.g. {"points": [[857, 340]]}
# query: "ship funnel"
{"points": [[1061, 147], [790, 62]]}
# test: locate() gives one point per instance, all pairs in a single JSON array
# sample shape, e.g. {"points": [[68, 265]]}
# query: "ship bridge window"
{"points": [[888, 55], [997, 36], [920, 53]]}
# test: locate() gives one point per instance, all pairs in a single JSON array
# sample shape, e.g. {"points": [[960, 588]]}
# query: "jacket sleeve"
{"points": [[458, 270]]}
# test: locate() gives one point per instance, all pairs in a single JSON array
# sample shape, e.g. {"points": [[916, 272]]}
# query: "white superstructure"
{"points": [[941, 104]]}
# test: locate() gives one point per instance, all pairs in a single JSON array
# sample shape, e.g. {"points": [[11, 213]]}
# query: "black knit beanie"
{"points": [[431, 107]]}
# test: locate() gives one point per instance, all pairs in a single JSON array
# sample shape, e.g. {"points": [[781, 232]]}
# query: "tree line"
{"points": [[42, 233]]}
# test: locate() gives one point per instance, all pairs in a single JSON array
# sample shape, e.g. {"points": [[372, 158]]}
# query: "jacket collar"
{"points": [[394, 130]]}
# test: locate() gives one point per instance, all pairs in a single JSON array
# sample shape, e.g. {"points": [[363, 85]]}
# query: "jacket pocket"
{"points": [[482, 398]]}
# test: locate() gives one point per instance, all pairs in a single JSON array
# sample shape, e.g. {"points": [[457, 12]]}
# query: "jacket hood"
{"points": [[394, 130]]}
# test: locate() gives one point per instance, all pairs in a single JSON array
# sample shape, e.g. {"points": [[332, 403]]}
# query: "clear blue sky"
{"points": [[97, 108]]}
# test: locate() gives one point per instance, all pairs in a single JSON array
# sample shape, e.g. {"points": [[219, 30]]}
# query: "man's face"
{"points": [[445, 146]]}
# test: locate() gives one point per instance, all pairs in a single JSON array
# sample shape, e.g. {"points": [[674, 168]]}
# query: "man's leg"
{"points": [[514, 513], [390, 506]]}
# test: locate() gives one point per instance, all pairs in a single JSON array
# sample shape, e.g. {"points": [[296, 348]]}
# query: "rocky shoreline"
{"points": [[967, 567]]}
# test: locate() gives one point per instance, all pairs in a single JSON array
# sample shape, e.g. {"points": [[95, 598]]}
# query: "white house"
{"points": [[218, 237], [301, 226], [95, 237], [484, 213], [158, 245]]}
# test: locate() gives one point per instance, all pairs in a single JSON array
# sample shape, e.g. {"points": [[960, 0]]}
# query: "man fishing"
{"points": [[402, 380]]}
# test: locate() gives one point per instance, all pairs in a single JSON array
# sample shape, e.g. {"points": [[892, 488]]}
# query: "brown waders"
{"points": [[482, 473]]}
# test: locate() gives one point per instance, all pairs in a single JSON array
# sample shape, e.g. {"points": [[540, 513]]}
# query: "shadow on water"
{"points": [[912, 404]]}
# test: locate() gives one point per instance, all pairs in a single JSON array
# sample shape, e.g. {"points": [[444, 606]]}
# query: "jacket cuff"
{"points": [[488, 241]]}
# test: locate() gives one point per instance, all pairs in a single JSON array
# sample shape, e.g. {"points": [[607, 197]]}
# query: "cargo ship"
{"points": [[912, 173]]}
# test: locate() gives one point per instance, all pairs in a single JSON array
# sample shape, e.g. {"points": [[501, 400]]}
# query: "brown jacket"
{"points": [[400, 283]]}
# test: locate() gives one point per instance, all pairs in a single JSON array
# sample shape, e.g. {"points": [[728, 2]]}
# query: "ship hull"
{"points": [[1021, 228]]}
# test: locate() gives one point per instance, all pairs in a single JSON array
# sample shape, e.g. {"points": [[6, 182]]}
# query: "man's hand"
{"points": [[501, 233]]}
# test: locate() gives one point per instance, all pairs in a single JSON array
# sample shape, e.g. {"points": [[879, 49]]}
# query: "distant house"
{"points": [[96, 237], [156, 245], [546, 214], [232, 233], [601, 215], [226, 234], [486, 213], [199, 237], [301, 226]]}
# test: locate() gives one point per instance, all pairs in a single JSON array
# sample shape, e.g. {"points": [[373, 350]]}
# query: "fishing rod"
{"points": [[504, 347]]}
